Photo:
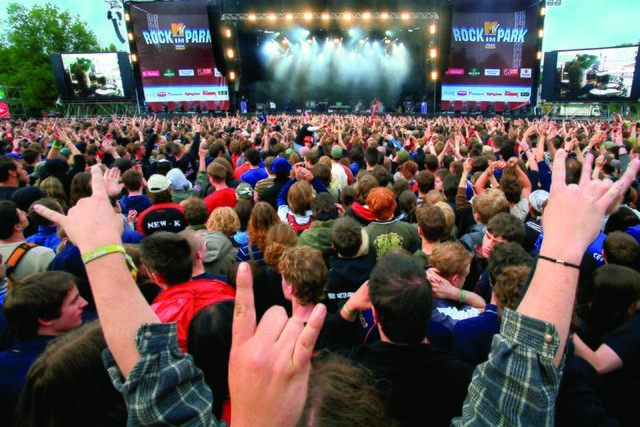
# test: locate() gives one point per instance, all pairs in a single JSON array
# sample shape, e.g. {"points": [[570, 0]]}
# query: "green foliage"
{"points": [[27, 38]]}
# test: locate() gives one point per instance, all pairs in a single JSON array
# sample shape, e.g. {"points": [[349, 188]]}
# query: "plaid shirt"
{"points": [[165, 387], [519, 383]]}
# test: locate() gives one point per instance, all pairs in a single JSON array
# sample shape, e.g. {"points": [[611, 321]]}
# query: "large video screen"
{"points": [[175, 55], [93, 76], [493, 51], [604, 74]]}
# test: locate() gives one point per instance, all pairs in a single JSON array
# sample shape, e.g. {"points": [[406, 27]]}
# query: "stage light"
{"points": [[543, 11], [134, 57], [230, 53], [288, 17], [539, 55], [384, 15], [309, 40], [347, 16], [336, 40], [232, 75], [252, 17], [432, 29], [361, 41], [130, 35], [272, 17], [227, 33], [304, 33], [285, 41], [127, 17], [404, 16], [308, 16], [388, 33], [540, 33], [325, 16], [366, 15], [433, 52], [352, 32], [434, 75], [387, 41], [375, 43]]}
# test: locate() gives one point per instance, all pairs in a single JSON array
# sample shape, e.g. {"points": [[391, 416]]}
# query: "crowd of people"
{"points": [[319, 270]]}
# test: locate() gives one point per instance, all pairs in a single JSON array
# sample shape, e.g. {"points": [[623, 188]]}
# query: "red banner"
{"points": [[4, 111]]}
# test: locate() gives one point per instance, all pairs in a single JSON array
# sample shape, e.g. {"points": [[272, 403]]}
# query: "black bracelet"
{"points": [[558, 261]]}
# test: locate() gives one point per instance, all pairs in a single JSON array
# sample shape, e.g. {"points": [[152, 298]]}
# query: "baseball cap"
{"points": [[158, 183], [244, 191], [280, 165], [336, 152], [537, 198], [403, 155], [65, 152]]}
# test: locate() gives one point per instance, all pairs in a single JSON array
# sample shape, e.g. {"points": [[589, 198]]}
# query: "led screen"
{"points": [[175, 55], [594, 74], [493, 51], [93, 76]]}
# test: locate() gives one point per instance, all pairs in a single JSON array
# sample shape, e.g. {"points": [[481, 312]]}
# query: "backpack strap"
{"points": [[14, 259]]}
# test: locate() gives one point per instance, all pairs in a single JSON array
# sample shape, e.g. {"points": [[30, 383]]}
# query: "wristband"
{"points": [[463, 296], [102, 251], [346, 310], [559, 261], [56, 144]]}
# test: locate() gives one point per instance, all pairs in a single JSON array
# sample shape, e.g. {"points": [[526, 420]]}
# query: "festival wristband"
{"points": [[102, 251]]}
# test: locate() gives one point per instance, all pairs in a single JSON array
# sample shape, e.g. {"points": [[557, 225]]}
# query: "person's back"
{"points": [[169, 256]]}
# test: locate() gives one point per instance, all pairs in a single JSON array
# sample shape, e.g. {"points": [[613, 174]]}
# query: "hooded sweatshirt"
{"points": [[345, 277], [220, 252]]}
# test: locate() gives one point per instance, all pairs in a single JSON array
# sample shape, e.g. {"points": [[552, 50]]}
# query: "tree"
{"points": [[28, 37]]}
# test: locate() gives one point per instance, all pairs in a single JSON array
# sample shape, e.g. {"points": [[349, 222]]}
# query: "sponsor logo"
{"points": [[216, 73], [201, 72], [492, 72], [510, 72], [206, 92], [494, 94], [490, 32], [222, 92], [192, 93], [455, 71], [161, 94], [474, 72], [175, 94], [509, 93], [168, 72], [185, 72], [462, 93], [178, 34], [151, 73], [525, 73], [524, 94]]}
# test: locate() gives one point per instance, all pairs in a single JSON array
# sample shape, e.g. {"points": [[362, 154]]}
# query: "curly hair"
{"points": [[263, 217], [225, 220], [303, 268], [509, 285], [408, 170], [279, 238]]}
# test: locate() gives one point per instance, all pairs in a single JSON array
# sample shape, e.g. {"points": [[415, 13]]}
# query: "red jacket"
{"points": [[180, 303]]}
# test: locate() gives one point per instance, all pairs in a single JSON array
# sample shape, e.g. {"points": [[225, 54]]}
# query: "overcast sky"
{"points": [[575, 24]]}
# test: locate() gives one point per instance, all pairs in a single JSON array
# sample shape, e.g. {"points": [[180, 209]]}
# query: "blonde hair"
{"points": [[225, 220]]}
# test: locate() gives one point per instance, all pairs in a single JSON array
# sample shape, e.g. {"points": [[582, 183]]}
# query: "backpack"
{"points": [[15, 258]]}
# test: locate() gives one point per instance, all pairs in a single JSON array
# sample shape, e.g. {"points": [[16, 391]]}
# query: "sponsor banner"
{"points": [[186, 93], [203, 72], [4, 111], [486, 93], [151, 73], [509, 72], [455, 71], [525, 73], [185, 72], [474, 72], [492, 72], [168, 73]]}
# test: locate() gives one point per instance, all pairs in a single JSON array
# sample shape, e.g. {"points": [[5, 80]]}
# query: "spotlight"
{"points": [[387, 41], [432, 29], [308, 16], [325, 16], [434, 75], [309, 40], [543, 11], [285, 41], [288, 17], [130, 35], [232, 75], [540, 33], [252, 17], [404, 16], [384, 15], [134, 57], [127, 17], [347, 16], [336, 40], [227, 33], [539, 55], [352, 32], [433, 53], [230, 53], [272, 17], [361, 41], [366, 15]]}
